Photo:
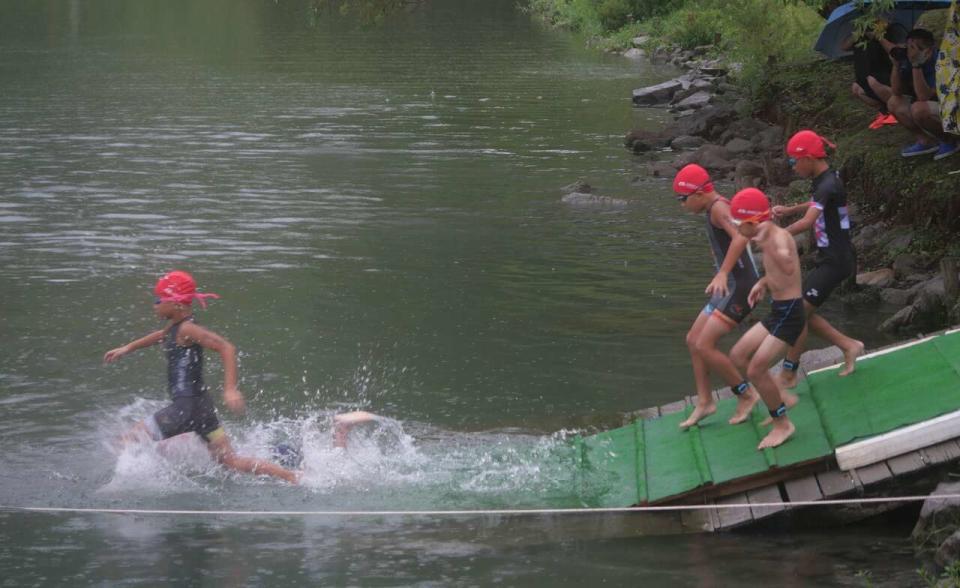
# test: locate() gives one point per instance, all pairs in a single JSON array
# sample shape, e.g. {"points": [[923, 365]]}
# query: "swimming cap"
{"points": [[179, 287], [806, 143], [750, 205], [691, 179]]}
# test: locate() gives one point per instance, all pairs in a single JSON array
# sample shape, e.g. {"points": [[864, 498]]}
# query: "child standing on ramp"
{"points": [[192, 409], [836, 260], [727, 307], [768, 341]]}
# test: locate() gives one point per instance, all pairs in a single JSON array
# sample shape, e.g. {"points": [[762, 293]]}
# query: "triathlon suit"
{"points": [[192, 408], [836, 258], [733, 307], [786, 320]]}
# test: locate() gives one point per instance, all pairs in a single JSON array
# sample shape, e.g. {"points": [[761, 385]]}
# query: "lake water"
{"points": [[379, 209]]}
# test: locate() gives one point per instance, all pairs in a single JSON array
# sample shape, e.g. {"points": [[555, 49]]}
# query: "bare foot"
{"points": [[850, 358], [745, 404], [787, 378], [699, 412], [782, 430], [788, 399], [342, 423]]}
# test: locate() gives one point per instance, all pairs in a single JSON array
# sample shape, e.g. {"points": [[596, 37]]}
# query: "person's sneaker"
{"points": [[877, 121], [918, 149], [945, 150]]}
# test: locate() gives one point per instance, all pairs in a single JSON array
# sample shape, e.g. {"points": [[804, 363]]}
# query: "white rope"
{"points": [[493, 512]]}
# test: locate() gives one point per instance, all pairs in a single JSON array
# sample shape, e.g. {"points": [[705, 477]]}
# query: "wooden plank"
{"points": [[835, 483], [642, 414], [899, 442], [673, 407], [764, 495], [872, 474], [699, 520], [941, 452], [731, 517], [803, 489], [906, 464]]}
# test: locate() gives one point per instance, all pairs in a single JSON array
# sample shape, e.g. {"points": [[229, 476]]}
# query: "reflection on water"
{"points": [[380, 211]]}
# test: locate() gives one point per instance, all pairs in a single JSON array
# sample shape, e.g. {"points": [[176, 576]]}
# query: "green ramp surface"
{"points": [[653, 459]]}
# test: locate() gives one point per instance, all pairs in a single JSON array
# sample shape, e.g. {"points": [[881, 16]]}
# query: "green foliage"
{"points": [[949, 578], [693, 27]]}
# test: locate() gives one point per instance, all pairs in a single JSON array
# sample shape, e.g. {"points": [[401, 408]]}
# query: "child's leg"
{"points": [[342, 423], [701, 375], [222, 451], [852, 348], [737, 364], [770, 349]]}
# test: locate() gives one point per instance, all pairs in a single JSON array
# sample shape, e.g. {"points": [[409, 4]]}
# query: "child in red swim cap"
{"points": [[768, 341], [727, 307], [827, 215], [192, 409]]}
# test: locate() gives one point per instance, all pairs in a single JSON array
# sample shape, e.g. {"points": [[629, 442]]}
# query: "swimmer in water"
{"points": [[192, 409]]}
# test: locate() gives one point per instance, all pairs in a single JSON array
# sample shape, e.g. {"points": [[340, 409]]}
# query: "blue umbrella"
{"points": [[840, 23]]}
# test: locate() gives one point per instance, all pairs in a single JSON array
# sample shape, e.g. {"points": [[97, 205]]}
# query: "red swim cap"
{"points": [[691, 179], [750, 205], [806, 143], [179, 287]]}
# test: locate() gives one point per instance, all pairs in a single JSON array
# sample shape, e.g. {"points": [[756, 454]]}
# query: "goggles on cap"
{"points": [[683, 197]]}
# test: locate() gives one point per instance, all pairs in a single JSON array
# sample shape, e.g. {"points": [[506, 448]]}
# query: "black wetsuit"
{"points": [[192, 408], [741, 279], [836, 257]]}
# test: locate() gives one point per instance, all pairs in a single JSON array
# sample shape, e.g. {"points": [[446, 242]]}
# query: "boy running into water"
{"points": [[192, 409], [836, 260], [767, 341], [736, 275]]}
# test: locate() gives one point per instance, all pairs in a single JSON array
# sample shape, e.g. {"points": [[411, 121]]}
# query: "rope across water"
{"points": [[462, 513]]}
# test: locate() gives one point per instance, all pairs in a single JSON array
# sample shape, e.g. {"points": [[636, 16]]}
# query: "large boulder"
{"points": [[579, 199], [579, 186], [939, 517], [634, 53], [881, 278], [896, 296], [696, 101], [770, 139], [908, 264], [687, 142], [708, 123], [749, 174], [738, 146], [949, 550], [660, 93], [640, 140]]}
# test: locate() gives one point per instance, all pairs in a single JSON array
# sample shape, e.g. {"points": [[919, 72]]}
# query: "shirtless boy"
{"points": [[769, 340]]}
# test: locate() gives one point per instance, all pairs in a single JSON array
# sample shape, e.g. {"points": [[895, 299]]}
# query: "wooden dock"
{"points": [[889, 429]]}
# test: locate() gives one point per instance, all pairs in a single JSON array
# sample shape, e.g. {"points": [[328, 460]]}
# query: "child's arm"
{"points": [[151, 339], [228, 354], [738, 243], [757, 292], [781, 210], [806, 221]]}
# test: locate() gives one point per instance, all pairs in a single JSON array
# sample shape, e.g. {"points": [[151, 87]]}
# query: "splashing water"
{"points": [[383, 466]]}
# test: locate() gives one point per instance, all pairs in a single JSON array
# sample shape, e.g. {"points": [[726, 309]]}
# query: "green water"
{"points": [[379, 209]]}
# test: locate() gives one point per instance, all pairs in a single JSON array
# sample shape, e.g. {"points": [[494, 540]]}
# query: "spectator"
{"points": [[948, 73], [871, 62], [913, 96]]}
